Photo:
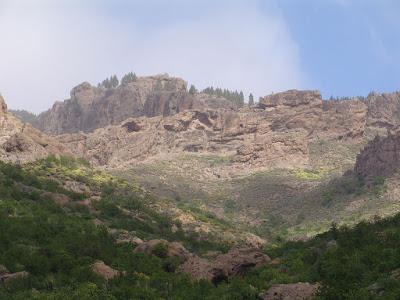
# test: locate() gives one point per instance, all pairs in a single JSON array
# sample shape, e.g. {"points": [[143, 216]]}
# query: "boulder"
{"points": [[17, 143], [200, 268], [173, 249], [291, 98], [108, 273], [5, 278], [224, 266], [292, 291]]}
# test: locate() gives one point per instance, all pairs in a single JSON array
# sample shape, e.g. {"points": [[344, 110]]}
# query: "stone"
{"points": [[108, 273], [224, 266], [6, 278], [292, 291]]}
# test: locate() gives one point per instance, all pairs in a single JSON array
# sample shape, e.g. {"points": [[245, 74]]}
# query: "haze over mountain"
{"points": [[343, 48]]}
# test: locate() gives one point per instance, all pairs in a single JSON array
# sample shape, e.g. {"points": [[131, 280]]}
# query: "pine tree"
{"points": [[251, 99], [192, 90], [241, 99], [130, 77], [114, 81]]}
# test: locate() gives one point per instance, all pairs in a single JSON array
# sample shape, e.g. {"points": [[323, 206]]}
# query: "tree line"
{"points": [[113, 81]]}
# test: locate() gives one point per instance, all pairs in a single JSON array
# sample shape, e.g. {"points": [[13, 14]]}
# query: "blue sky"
{"points": [[341, 47], [347, 47]]}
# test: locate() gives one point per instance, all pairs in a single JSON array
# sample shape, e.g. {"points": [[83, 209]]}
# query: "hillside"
{"points": [[202, 202], [266, 166], [72, 236]]}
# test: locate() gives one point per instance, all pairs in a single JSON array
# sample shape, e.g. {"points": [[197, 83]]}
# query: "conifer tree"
{"points": [[251, 99], [192, 90]]}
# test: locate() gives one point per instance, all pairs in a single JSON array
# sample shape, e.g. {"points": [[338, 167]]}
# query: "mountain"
{"points": [[199, 202], [265, 167]]}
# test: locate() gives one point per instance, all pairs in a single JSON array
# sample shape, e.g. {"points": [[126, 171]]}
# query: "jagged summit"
{"points": [[91, 107]]}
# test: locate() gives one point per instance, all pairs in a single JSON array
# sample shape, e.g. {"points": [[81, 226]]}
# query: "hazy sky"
{"points": [[342, 47]]}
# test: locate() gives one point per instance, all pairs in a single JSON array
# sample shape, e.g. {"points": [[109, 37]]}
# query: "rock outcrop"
{"points": [[101, 269], [7, 277], [293, 291], [92, 107], [381, 157], [156, 116], [224, 266], [20, 142], [275, 136]]}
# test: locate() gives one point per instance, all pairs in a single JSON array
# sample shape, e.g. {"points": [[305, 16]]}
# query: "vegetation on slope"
{"points": [[58, 242], [24, 115]]}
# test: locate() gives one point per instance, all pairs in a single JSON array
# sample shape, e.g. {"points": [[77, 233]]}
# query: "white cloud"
{"points": [[47, 47]]}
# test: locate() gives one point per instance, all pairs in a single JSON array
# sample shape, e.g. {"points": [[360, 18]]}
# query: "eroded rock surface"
{"points": [[381, 157], [277, 136], [20, 142], [92, 107], [224, 266]]}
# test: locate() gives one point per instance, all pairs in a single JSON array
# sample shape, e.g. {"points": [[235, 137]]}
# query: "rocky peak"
{"points": [[84, 94], [92, 107]]}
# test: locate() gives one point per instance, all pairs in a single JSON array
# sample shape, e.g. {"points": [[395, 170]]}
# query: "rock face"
{"points": [[381, 157], [224, 266], [276, 134], [92, 107], [20, 142], [294, 291]]}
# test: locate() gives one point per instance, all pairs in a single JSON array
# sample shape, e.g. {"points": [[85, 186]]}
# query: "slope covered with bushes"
{"points": [[59, 216]]}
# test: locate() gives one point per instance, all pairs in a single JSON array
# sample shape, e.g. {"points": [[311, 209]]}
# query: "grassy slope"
{"points": [[271, 203]]}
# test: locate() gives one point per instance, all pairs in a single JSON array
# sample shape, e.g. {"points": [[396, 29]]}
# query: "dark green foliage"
{"points": [[57, 245], [109, 83], [192, 90], [161, 250], [24, 116], [251, 99], [234, 96], [127, 78]]}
